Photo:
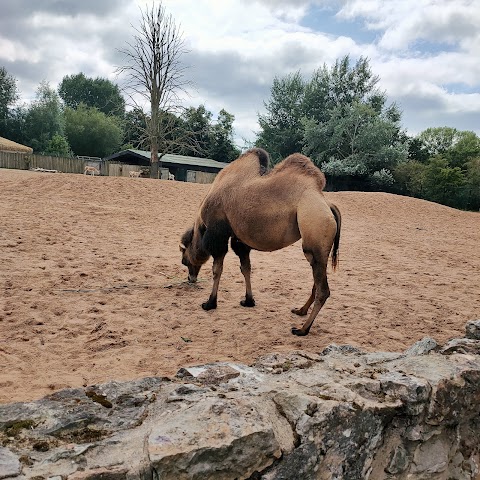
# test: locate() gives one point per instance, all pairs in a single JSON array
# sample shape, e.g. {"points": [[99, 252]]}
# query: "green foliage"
{"points": [[99, 92], [410, 178], [8, 95], [383, 179], [472, 184], [196, 124], [436, 141], [339, 118], [281, 127], [44, 118], [211, 139], [14, 126], [417, 149], [355, 140], [340, 85], [58, 146], [91, 132], [450, 175], [465, 148], [194, 133], [134, 126], [222, 147], [442, 181]]}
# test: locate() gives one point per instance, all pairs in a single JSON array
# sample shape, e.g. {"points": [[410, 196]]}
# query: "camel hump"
{"points": [[302, 164], [263, 158]]}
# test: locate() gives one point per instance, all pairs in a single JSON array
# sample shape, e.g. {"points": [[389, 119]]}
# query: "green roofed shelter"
{"points": [[178, 165]]}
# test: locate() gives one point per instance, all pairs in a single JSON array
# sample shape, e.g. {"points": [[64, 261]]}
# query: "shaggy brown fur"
{"points": [[265, 212]]}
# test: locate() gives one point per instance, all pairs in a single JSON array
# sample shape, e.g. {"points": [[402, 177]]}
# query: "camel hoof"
{"points": [[299, 312], [248, 302], [299, 332], [209, 305]]}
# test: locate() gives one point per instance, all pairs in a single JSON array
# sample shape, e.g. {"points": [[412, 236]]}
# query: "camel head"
{"points": [[193, 255]]}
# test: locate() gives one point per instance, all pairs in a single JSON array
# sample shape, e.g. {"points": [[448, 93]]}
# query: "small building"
{"points": [[184, 168]]}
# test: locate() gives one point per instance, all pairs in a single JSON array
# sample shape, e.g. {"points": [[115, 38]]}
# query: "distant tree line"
{"points": [[88, 116], [341, 120]]}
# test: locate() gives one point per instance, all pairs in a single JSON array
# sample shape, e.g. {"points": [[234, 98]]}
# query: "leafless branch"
{"points": [[154, 71]]}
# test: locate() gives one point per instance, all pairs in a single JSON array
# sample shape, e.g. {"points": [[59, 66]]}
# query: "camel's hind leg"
{"points": [[243, 252], [318, 228], [304, 310], [320, 292]]}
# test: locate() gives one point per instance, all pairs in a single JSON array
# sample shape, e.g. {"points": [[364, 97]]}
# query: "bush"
{"points": [[383, 178]]}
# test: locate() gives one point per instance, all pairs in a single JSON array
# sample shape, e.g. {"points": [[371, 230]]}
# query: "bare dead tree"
{"points": [[155, 73]]}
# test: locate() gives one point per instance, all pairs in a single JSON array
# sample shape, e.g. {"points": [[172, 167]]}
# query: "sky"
{"points": [[426, 52]]}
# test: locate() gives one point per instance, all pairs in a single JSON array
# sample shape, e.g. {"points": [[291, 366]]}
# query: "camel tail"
{"points": [[336, 242]]}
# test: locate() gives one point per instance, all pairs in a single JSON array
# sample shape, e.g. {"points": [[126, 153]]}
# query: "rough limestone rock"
{"points": [[336, 414], [473, 329]]}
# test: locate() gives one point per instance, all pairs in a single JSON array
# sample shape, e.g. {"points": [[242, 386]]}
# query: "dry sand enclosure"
{"points": [[92, 288]]}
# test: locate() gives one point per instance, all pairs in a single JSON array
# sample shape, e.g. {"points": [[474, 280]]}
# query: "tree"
{"points": [[99, 92], [197, 122], [58, 146], [222, 147], [465, 148], [155, 73], [339, 118], [442, 181], [134, 127], [44, 118], [410, 178], [438, 140], [8, 96], [281, 127], [212, 139], [91, 132], [445, 168], [472, 184], [417, 150], [341, 85], [14, 126], [356, 141]]}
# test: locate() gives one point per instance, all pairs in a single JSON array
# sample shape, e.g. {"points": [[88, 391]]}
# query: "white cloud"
{"points": [[425, 51], [408, 21], [12, 51]]}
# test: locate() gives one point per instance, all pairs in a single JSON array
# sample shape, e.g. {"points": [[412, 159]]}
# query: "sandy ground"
{"points": [[92, 289]]}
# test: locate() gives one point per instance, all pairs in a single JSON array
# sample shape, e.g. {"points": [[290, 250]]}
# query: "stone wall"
{"points": [[338, 414]]}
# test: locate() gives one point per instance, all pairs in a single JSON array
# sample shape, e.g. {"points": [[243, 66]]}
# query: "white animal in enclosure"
{"points": [[134, 174], [91, 170], [171, 176]]}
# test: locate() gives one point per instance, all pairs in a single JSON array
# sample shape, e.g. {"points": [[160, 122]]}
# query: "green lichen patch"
{"points": [[13, 429], [86, 434]]}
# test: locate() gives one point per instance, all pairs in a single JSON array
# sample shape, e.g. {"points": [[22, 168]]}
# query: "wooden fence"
{"points": [[123, 170], [200, 177], [22, 161]]}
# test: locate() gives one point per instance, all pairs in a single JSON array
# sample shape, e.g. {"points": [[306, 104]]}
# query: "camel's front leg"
{"points": [[243, 252], [217, 269]]}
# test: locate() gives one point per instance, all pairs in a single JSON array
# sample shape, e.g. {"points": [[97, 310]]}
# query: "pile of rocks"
{"points": [[338, 414]]}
